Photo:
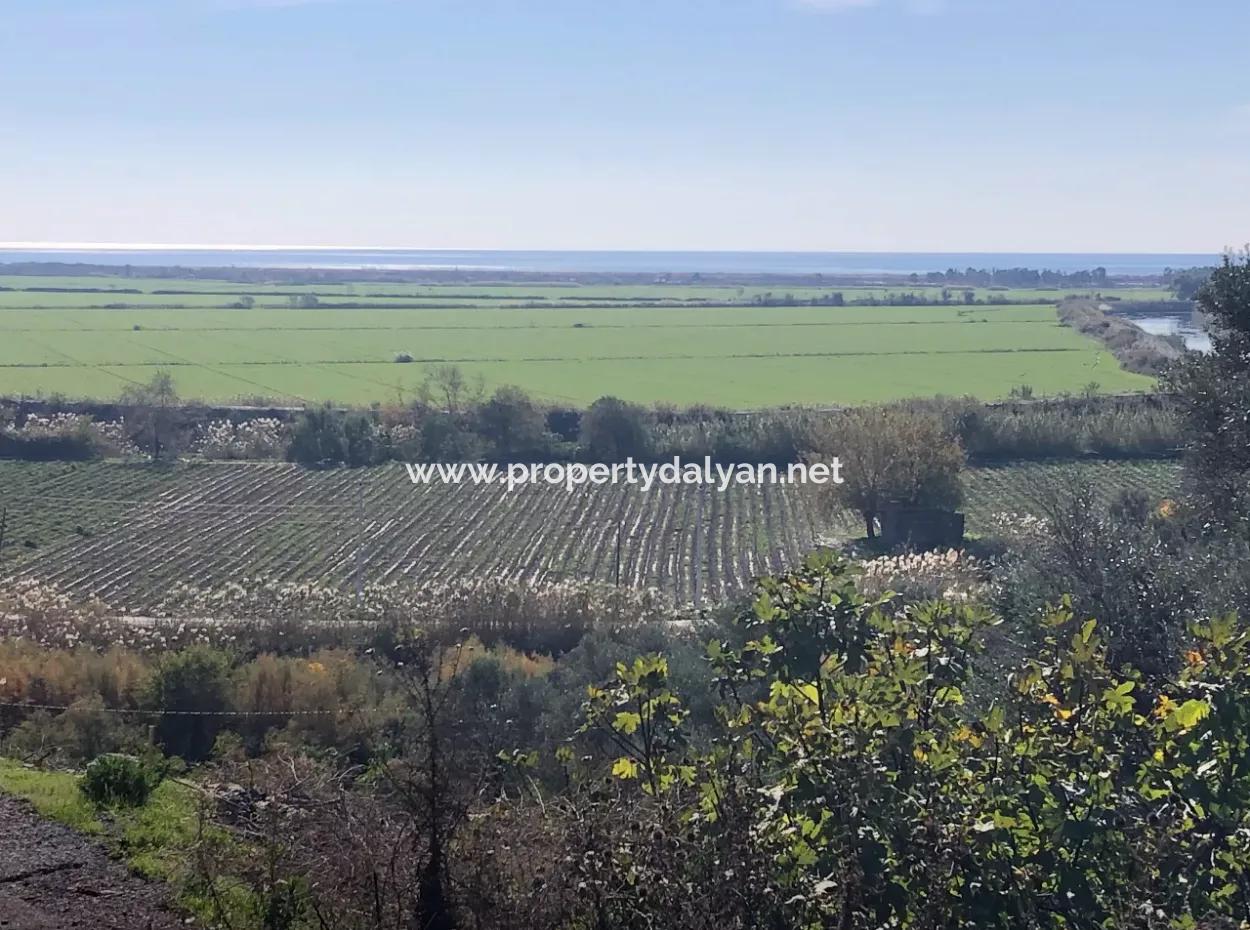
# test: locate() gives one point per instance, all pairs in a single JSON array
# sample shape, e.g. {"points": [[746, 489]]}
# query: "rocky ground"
{"points": [[52, 878]]}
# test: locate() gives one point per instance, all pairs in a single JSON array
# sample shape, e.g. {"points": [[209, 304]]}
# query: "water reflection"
{"points": [[1183, 326]]}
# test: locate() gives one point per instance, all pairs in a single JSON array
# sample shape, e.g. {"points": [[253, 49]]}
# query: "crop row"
{"points": [[208, 524]]}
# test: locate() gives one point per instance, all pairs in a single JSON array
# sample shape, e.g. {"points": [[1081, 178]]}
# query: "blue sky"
{"points": [[992, 125]]}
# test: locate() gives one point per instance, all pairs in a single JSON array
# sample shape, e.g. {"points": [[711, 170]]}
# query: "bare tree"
{"points": [[152, 413]]}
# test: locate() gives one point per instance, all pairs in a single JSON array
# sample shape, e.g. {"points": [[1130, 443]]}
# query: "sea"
{"points": [[572, 261]]}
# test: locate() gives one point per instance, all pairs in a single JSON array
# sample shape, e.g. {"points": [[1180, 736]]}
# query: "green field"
{"points": [[614, 340]]}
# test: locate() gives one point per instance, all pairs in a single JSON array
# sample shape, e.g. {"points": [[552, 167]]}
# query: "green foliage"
{"points": [[643, 718], [1214, 393], [116, 780], [851, 784], [514, 426], [191, 688], [613, 430], [891, 455], [83, 732], [317, 440], [324, 437]]}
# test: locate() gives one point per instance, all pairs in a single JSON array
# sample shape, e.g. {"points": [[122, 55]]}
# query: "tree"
{"points": [[324, 437], [1214, 392], [1185, 283], [438, 765], [318, 439], [891, 455], [449, 388], [613, 430], [192, 690], [152, 417], [447, 437], [514, 425]]}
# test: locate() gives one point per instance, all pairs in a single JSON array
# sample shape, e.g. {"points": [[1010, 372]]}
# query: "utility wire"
{"points": [[179, 713]]}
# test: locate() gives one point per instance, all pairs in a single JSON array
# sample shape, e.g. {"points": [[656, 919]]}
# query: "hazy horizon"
{"points": [[105, 246]]}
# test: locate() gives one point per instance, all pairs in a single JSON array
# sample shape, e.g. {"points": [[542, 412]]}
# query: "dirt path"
{"points": [[52, 878]]}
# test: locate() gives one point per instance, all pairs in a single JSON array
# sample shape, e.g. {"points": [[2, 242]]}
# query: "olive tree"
{"points": [[891, 455]]}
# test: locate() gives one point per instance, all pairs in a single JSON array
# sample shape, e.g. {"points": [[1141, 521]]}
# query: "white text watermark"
{"points": [[573, 475]]}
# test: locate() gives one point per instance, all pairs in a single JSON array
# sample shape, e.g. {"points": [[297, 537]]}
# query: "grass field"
{"points": [[35, 291], [130, 532], [612, 340]]}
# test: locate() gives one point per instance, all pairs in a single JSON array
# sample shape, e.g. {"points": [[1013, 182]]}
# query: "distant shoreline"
{"points": [[305, 275], [417, 265]]}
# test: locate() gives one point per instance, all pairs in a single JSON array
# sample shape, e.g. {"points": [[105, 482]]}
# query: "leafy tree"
{"points": [[853, 783], [613, 430], [153, 414], [1185, 283], [891, 455], [191, 688], [1214, 392], [448, 437], [324, 437], [318, 439], [514, 426], [360, 442]]}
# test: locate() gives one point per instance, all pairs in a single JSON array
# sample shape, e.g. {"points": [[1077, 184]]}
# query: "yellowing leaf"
{"points": [[625, 767], [1188, 714], [627, 722]]}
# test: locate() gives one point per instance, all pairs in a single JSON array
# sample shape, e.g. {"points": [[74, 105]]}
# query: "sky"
{"points": [[863, 125]]}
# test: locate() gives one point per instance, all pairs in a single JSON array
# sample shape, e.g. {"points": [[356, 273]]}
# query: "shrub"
{"points": [[1119, 562], [613, 430], [115, 780], [324, 437], [62, 437], [82, 732], [190, 687], [317, 441], [852, 784], [260, 438]]}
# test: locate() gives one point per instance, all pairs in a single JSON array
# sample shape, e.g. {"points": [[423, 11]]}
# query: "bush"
{"points": [[197, 680], [324, 437], [1122, 562], [82, 732], [61, 437], [260, 438], [115, 780], [851, 784], [514, 425], [613, 430], [318, 440]]}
